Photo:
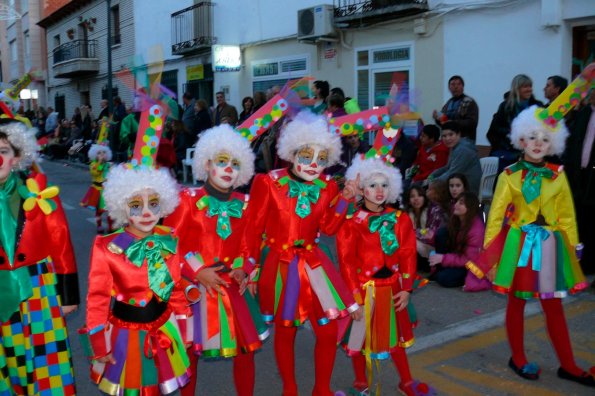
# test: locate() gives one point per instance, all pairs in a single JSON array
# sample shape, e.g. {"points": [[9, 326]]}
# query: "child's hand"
{"points": [[358, 314], [240, 277], [401, 299], [210, 279], [68, 309], [435, 259], [107, 359]]}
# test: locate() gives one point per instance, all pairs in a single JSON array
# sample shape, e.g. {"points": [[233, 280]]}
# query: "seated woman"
{"points": [[465, 240], [417, 206], [457, 185]]}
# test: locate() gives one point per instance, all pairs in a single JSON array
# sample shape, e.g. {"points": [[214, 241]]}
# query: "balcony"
{"points": [[75, 59], [358, 13], [192, 29]]}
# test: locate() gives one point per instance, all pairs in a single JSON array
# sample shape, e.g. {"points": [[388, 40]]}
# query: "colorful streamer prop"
{"points": [[285, 101], [573, 94]]}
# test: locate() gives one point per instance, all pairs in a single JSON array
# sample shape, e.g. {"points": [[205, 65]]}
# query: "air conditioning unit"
{"points": [[315, 22]]}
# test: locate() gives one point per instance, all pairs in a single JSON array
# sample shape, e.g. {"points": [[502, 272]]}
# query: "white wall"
{"points": [[152, 25], [489, 46], [257, 20]]}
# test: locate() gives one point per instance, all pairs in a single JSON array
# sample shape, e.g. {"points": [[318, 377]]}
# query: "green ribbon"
{"points": [[531, 187], [152, 248], [8, 224], [532, 246], [224, 210], [385, 225], [305, 194]]}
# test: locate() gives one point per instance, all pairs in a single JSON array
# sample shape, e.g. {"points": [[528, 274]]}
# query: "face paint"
{"points": [[537, 145], [224, 171], [376, 189], [7, 160], [144, 211], [309, 161]]}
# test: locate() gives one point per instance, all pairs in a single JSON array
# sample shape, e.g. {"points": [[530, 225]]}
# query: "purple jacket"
{"points": [[471, 253]]}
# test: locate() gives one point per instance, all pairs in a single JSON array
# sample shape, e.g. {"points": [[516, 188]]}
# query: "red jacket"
{"points": [[429, 160]]}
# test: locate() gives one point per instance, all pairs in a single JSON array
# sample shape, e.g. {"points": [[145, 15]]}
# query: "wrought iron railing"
{"points": [[346, 8], [76, 49], [192, 28]]}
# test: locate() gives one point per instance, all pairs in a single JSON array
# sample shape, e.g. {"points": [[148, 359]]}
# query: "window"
{"points": [[56, 41], [378, 68], [24, 6], [27, 43], [27, 48], [115, 21], [13, 51], [267, 73]]}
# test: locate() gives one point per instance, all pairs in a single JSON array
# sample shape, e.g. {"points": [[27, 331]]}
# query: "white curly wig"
{"points": [[122, 183], [22, 138], [223, 138], [308, 128], [527, 122], [95, 148], [367, 168]]}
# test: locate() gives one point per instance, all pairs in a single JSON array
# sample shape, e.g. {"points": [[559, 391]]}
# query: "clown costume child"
{"points": [[210, 223], [376, 249], [135, 344], [534, 254], [289, 208], [38, 274]]}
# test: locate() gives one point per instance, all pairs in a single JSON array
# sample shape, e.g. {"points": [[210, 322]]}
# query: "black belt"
{"points": [[98, 184], [147, 314]]}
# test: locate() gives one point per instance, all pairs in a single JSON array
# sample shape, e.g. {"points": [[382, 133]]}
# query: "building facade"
{"points": [[22, 44], [362, 46], [372, 43]]}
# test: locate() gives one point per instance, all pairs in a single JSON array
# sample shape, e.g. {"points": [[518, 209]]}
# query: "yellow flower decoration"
{"points": [[33, 196]]}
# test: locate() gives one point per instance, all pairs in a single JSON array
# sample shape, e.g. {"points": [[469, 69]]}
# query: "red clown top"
{"points": [[372, 242], [210, 230], [115, 273], [292, 213], [41, 234]]}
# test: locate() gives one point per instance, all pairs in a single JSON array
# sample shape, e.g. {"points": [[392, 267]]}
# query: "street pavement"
{"points": [[460, 348]]}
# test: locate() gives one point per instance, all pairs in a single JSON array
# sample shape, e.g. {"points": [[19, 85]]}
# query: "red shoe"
{"points": [[416, 388]]}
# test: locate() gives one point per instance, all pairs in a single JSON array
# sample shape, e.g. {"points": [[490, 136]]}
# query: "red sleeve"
{"points": [[256, 215], [335, 214], [347, 255], [61, 251], [177, 299], [473, 249], [99, 296], [180, 220], [407, 250]]}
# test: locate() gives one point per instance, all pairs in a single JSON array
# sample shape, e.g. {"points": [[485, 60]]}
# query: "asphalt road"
{"points": [[460, 348]]}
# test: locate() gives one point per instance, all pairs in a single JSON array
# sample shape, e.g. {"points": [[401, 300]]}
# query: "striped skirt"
{"points": [[35, 356], [226, 325], [535, 262], [382, 329], [150, 358]]}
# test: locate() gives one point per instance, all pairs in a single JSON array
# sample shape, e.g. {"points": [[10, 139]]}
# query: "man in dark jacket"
{"points": [[579, 160], [460, 108]]}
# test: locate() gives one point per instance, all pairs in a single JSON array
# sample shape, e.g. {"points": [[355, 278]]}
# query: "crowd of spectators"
{"points": [[441, 168]]}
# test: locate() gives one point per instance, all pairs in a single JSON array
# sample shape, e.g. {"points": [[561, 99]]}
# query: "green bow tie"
{"points": [[305, 194], [152, 248], [224, 210], [385, 224], [8, 223], [531, 187]]}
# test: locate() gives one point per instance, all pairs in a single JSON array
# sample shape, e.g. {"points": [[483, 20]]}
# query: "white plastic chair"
{"points": [[187, 165], [489, 171]]}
